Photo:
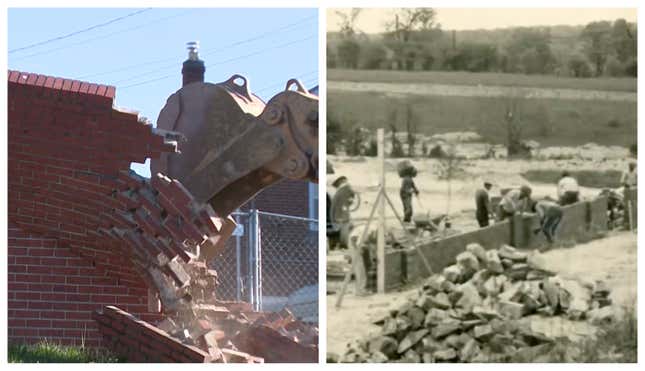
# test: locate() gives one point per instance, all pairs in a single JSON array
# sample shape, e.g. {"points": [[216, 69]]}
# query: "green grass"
{"points": [[551, 122], [48, 352], [626, 84]]}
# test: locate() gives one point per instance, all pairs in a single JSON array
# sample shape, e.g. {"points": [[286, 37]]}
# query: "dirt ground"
{"points": [[612, 259]]}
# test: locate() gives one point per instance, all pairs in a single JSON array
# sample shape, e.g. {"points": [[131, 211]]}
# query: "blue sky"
{"points": [[142, 54]]}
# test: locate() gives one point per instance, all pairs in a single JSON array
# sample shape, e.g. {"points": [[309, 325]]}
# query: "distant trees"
{"points": [[579, 66], [597, 37], [406, 21], [348, 50], [347, 22], [348, 54], [611, 48], [472, 57], [413, 40], [529, 51]]}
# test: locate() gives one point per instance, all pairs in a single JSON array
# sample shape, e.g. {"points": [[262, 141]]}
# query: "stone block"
{"points": [[477, 250], [411, 339], [510, 309], [445, 355], [493, 262], [482, 332], [445, 328], [383, 344]]}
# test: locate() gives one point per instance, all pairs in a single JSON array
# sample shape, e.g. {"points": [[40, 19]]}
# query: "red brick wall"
{"points": [[66, 146], [52, 292], [139, 341]]}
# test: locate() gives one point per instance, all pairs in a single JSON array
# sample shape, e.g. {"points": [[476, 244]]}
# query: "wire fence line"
{"points": [[271, 261]]}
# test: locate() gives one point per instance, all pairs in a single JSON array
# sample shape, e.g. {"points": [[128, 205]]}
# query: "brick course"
{"points": [[66, 147]]}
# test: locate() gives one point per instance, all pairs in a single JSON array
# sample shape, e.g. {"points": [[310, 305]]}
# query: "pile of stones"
{"points": [[473, 311]]}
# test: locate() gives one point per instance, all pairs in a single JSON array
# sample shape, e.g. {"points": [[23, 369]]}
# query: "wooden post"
{"points": [[380, 242]]}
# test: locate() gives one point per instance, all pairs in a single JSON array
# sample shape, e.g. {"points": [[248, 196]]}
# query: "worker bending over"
{"points": [[550, 214], [514, 201]]}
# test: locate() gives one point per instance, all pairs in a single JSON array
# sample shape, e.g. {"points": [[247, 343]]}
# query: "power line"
{"points": [[203, 53], [80, 31], [49, 51], [177, 65], [259, 36], [301, 76], [224, 61]]}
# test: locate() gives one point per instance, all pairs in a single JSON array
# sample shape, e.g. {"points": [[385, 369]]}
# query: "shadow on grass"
{"points": [[48, 352]]}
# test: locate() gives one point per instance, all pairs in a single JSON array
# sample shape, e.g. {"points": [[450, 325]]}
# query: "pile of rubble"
{"points": [[228, 333], [169, 237], [472, 311], [234, 326]]}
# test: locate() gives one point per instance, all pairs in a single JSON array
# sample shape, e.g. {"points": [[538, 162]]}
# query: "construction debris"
{"points": [[229, 333], [473, 311]]}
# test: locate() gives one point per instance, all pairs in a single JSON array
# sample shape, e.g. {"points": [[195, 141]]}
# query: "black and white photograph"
{"points": [[481, 185]]}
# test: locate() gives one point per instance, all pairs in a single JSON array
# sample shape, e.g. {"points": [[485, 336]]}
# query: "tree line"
{"points": [[414, 41]]}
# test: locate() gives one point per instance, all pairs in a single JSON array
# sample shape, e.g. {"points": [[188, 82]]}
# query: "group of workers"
{"points": [[517, 201], [513, 201]]}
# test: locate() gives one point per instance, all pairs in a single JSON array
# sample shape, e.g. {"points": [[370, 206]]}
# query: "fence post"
{"points": [[251, 251], [258, 260], [238, 261]]}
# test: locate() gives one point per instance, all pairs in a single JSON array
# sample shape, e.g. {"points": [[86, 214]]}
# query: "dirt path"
{"points": [[395, 89], [612, 259]]}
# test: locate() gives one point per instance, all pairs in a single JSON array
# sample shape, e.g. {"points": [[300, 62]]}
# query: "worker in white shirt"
{"points": [[514, 201], [628, 180], [568, 190]]}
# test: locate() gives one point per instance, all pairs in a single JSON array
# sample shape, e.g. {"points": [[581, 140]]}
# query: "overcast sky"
{"points": [[372, 20]]}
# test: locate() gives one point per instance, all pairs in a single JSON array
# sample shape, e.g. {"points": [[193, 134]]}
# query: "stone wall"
{"points": [[581, 222]]}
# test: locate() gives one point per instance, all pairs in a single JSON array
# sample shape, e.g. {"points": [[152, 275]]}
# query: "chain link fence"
{"points": [[232, 265], [271, 261]]}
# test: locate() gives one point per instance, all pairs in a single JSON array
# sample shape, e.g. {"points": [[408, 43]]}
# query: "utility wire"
{"points": [[177, 65], [80, 31], [277, 85], [202, 53], [49, 51], [224, 61]]}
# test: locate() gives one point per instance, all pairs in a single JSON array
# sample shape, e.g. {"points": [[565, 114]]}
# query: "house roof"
{"points": [[62, 84]]}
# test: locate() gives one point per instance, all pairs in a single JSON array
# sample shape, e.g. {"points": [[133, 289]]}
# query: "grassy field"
{"points": [[551, 122], [484, 78], [48, 352]]}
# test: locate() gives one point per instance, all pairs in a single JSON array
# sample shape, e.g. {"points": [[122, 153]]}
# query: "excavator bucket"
{"points": [[234, 144]]}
